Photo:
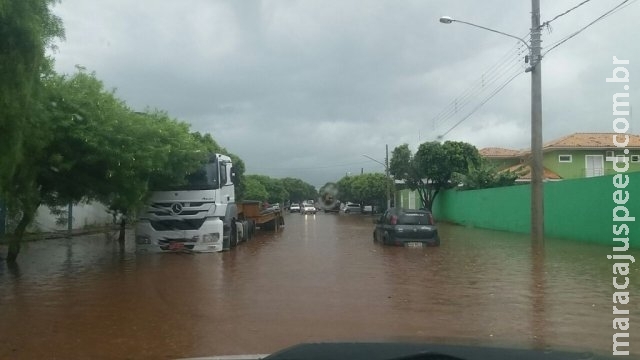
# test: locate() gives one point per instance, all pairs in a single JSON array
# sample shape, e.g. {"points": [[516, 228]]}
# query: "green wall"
{"points": [[580, 209]]}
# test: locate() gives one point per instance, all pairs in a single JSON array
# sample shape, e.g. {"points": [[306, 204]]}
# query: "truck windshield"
{"points": [[206, 178]]}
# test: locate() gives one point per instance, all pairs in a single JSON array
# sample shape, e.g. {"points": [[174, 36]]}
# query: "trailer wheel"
{"points": [[252, 228], [270, 225]]}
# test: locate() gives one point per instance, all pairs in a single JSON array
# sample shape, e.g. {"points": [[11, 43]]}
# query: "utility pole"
{"points": [[386, 168], [537, 169], [537, 195]]}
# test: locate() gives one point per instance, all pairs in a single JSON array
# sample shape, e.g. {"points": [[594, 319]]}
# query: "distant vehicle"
{"points": [[331, 206], [404, 227], [308, 209], [368, 209], [294, 208], [350, 208]]}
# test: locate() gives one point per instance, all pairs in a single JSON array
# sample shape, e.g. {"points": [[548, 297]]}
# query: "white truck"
{"points": [[202, 216]]}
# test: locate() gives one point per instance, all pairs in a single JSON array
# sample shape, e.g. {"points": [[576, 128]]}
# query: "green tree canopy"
{"points": [[27, 29], [299, 190], [254, 190], [276, 192], [485, 176], [364, 189], [431, 168]]}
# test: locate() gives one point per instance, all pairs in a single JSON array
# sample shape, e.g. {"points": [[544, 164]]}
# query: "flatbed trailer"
{"points": [[269, 219]]}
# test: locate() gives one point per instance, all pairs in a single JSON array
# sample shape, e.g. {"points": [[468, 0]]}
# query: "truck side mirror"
{"points": [[234, 178]]}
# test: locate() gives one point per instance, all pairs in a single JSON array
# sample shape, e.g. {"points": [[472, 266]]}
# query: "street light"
{"points": [[449, 20], [386, 169], [537, 196]]}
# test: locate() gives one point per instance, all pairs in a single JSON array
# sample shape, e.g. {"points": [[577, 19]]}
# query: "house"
{"points": [[574, 156]]}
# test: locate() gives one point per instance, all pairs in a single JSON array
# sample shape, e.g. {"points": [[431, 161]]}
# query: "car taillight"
{"points": [[431, 219], [394, 220]]}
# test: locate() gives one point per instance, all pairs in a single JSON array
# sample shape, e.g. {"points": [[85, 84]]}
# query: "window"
{"points": [[414, 219], [635, 158], [564, 158], [223, 174]]}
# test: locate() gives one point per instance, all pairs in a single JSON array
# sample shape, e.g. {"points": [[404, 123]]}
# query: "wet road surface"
{"points": [[319, 279]]}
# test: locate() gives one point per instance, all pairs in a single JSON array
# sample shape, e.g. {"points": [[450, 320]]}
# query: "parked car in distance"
{"points": [[405, 227], [294, 208], [350, 208], [368, 209], [308, 209], [274, 207]]}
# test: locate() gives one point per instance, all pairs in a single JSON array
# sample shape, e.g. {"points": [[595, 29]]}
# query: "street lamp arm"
{"points": [[372, 159], [495, 31]]}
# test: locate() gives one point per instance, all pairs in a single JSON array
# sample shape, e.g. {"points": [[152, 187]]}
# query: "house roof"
{"points": [[497, 152], [591, 140], [524, 172], [573, 141]]}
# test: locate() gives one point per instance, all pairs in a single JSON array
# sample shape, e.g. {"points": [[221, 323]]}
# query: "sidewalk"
{"points": [[60, 234]]}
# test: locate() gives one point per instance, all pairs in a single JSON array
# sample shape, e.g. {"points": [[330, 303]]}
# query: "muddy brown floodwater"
{"points": [[319, 279]]}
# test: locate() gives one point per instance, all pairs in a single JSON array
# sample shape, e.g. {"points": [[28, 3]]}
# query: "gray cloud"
{"points": [[304, 88]]}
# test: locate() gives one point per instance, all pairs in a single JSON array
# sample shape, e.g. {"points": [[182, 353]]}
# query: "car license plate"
{"points": [[414, 244], [176, 246]]}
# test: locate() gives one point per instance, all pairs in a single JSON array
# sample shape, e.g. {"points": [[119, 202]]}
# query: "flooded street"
{"points": [[319, 279]]}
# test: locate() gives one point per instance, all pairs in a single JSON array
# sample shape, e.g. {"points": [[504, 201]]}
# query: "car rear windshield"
{"points": [[414, 219]]}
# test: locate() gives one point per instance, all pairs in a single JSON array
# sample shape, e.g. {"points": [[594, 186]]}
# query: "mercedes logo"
{"points": [[176, 208]]}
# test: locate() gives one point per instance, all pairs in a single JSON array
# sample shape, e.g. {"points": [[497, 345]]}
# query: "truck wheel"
{"points": [[245, 230], [233, 235]]}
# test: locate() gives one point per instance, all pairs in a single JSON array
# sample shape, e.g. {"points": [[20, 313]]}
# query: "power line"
{"points": [[487, 88], [478, 86], [558, 43], [546, 23], [482, 84], [482, 103]]}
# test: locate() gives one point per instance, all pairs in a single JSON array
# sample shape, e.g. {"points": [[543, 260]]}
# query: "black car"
{"points": [[405, 227]]}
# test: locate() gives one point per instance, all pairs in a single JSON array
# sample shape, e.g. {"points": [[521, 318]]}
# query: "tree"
{"points": [[299, 190], [485, 176], [431, 169], [370, 189], [276, 193], [27, 29], [364, 189], [254, 190], [345, 189], [91, 146]]}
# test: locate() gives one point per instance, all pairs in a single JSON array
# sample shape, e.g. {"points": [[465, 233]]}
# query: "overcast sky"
{"points": [[305, 88]]}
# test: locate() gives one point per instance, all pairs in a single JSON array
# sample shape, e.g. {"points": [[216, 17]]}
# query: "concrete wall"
{"points": [[84, 215], [580, 209]]}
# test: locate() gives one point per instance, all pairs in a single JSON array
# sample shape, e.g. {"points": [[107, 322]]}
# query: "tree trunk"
{"points": [[123, 225], [18, 234], [433, 199]]}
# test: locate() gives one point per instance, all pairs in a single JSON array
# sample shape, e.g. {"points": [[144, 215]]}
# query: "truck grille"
{"points": [[173, 224]]}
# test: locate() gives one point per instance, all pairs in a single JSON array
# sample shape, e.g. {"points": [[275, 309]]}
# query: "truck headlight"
{"points": [[210, 238]]}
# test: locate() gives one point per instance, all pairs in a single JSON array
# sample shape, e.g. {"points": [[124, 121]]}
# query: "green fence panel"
{"points": [[580, 209]]}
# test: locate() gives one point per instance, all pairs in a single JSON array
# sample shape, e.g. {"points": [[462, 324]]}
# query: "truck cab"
{"points": [[196, 216]]}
